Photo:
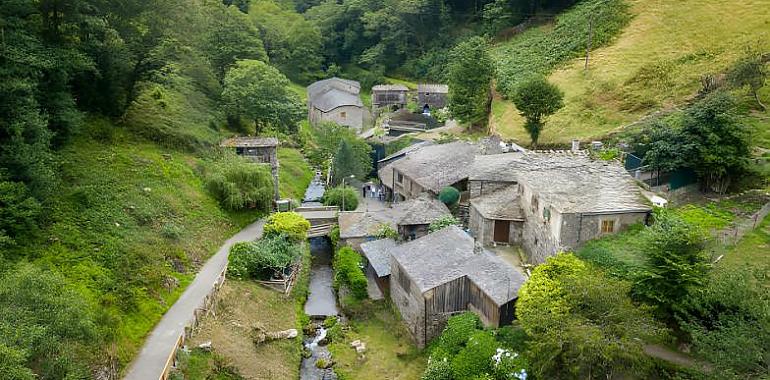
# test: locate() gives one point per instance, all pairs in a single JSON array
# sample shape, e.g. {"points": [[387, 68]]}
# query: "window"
{"points": [[608, 226], [400, 178], [535, 205], [343, 115]]}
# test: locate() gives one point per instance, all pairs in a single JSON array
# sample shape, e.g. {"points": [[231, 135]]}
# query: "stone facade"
{"points": [[407, 297], [350, 116], [484, 229], [405, 187]]}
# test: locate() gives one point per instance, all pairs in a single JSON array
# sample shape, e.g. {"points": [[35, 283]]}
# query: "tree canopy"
{"points": [[259, 92], [470, 80], [536, 99]]}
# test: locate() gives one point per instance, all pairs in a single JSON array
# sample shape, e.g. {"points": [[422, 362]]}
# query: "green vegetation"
{"points": [[582, 323], [265, 259], [449, 195], [348, 272], [346, 198], [470, 76], [443, 222], [294, 175], [345, 164], [539, 51], [200, 364], [537, 99], [465, 351], [239, 184], [289, 224], [390, 353], [385, 231], [327, 141], [258, 92]]}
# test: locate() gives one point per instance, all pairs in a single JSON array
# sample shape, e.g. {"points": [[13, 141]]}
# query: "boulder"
{"points": [[206, 346]]}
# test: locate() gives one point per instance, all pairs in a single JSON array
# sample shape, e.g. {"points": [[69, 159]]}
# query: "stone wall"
{"points": [[410, 303], [353, 116], [577, 229], [407, 188], [479, 188]]}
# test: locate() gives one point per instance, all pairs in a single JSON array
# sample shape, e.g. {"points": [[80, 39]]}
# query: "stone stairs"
{"points": [[463, 214]]}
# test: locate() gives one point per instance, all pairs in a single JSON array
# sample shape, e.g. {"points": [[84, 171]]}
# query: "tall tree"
{"points": [[470, 77], [345, 163], [259, 92], [536, 99], [750, 71], [232, 37]]}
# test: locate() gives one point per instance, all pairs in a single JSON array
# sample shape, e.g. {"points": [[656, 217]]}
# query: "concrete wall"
{"points": [[410, 303], [577, 229]]}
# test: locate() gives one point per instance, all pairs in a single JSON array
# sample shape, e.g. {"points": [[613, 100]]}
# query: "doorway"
{"points": [[502, 231]]}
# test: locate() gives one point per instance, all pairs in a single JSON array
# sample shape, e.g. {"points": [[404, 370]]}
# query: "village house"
{"points": [[445, 273], [550, 202], [377, 254], [410, 219], [431, 167], [263, 150], [432, 96], [393, 96], [336, 100]]}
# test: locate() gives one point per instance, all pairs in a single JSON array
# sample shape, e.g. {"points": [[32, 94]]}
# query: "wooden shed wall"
{"points": [[447, 298], [490, 312]]}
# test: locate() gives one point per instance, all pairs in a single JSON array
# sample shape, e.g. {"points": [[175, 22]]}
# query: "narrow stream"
{"points": [[321, 303]]}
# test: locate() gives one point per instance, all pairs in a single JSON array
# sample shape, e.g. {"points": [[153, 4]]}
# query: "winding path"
{"points": [[151, 362]]}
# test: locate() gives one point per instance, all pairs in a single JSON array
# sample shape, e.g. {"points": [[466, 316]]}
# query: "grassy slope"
{"points": [[655, 63], [294, 174], [129, 229], [753, 251]]}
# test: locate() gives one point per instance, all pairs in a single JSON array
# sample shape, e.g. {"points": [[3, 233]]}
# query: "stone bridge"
{"points": [[322, 219]]}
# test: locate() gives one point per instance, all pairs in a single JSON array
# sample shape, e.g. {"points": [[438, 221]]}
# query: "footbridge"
{"points": [[322, 219]]}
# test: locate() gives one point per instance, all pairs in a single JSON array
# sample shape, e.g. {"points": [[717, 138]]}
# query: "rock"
{"points": [[205, 346], [359, 346], [260, 336], [147, 189], [285, 334], [323, 342]]}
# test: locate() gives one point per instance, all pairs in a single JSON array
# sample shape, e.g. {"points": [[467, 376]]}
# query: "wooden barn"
{"points": [[445, 273]]}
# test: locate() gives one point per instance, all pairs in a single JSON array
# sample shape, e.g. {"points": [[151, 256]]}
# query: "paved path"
{"points": [[161, 342]]}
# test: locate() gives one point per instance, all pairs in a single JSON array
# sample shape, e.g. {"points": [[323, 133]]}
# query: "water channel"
{"points": [[321, 300]]}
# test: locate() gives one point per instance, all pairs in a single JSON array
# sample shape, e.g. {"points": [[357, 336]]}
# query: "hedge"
{"points": [[291, 224], [347, 270]]}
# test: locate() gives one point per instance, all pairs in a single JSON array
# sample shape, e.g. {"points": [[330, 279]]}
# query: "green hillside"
{"points": [[656, 62]]}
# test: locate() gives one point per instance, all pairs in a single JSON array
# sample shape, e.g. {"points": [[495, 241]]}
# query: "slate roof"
{"points": [[389, 87], [496, 278], [378, 254], [421, 210], [436, 258], [406, 150], [572, 183], [333, 98], [249, 142], [342, 84], [434, 166], [502, 204], [433, 88], [447, 255]]}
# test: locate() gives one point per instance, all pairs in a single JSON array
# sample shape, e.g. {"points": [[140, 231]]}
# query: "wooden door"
{"points": [[502, 230]]}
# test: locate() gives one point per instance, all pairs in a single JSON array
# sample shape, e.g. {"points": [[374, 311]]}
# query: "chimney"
{"points": [[575, 146]]}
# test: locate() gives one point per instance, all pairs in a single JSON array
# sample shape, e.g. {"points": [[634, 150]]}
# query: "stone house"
{"points": [[393, 96], [550, 202], [445, 273], [410, 219], [336, 100], [431, 167], [263, 150], [377, 254], [432, 96]]}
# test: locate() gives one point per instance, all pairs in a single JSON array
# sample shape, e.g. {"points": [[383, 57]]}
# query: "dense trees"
{"points": [[257, 91], [470, 77], [536, 99]]}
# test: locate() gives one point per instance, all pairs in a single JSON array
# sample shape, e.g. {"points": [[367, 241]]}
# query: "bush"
{"points": [[347, 271], [449, 195], [19, 212], [341, 195], [443, 222], [438, 369], [238, 184], [291, 224], [458, 329], [385, 231], [508, 365], [262, 259], [476, 358]]}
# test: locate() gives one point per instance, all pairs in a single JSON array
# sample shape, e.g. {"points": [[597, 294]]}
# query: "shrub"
{"points": [[509, 365], [476, 358], [347, 271], [449, 195], [458, 329], [291, 224], [19, 212], [340, 196], [438, 369], [262, 259], [385, 231], [443, 222], [238, 184]]}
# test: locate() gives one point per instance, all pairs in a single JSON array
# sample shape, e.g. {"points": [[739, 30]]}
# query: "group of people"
{"points": [[373, 191]]}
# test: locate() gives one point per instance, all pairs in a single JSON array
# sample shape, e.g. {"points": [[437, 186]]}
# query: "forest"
{"points": [[111, 113]]}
